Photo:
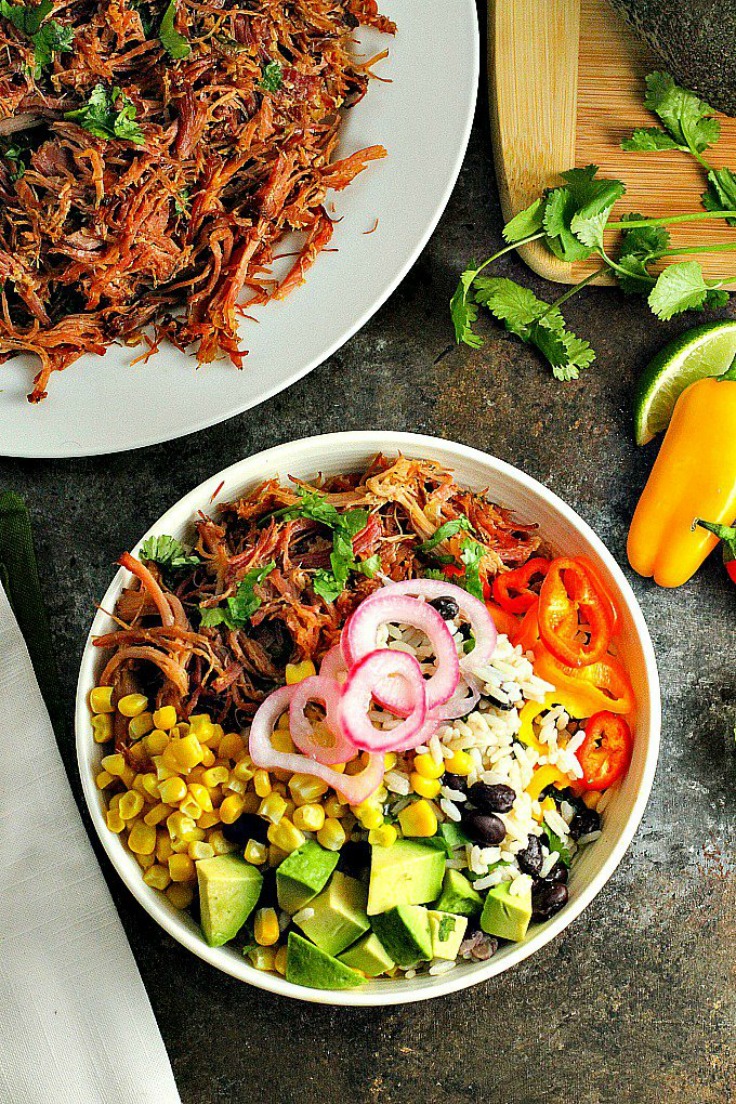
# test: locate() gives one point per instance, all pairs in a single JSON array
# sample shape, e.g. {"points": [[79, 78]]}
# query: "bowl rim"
{"points": [[376, 441]]}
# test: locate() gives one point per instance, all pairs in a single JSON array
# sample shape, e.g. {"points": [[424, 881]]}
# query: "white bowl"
{"points": [[566, 532]]}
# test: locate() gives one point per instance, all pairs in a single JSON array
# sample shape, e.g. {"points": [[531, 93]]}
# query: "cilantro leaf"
{"points": [[168, 552], [464, 312], [314, 506], [15, 155], [557, 846], [103, 119], [445, 531], [526, 222], [559, 211], [650, 140], [272, 76], [47, 38], [566, 353], [687, 118], [174, 43], [240, 608], [471, 553], [640, 246], [26, 18], [721, 193], [682, 287]]}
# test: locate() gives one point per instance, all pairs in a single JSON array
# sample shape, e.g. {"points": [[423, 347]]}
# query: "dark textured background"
{"points": [[635, 1003]]}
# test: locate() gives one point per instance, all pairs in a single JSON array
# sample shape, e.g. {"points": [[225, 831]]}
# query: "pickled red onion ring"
{"points": [[326, 690], [353, 787], [333, 665], [359, 690], [388, 606], [462, 702], [484, 630]]}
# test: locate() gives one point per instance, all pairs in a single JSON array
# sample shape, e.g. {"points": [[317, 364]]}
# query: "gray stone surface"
{"points": [[635, 1003]]}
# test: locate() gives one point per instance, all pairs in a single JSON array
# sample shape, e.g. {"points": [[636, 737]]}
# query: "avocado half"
{"points": [[694, 40]]}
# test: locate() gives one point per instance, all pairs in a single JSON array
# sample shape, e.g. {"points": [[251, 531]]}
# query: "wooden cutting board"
{"points": [[567, 84]]}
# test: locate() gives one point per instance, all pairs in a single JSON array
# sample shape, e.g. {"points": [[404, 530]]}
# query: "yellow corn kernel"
{"points": [[243, 771], [164, 848], [255, 853], [101, 728], [172, 790], [418, 819], [138, 785], [272, 808], [230, 746], [157, 814], [182, 869], [592, 798], [298, 672], [127, 776], [180, 729], [103, 779], [384, 836], [145, 861], [114, 821], [275, 855], [266, 927], [200, 850], [165, 717], [132, 705], [141, 725], [542, 777], [201, 725], [332, 834], [251, 802], [369, 814], [139, 755], [208, 820], [208, 756], [187, 751], [114, 764], [179, 847], [157, 876], [196, 774], [261, 783], [100, 700], [142, 838], [356, 765], [427, 766], [190, 807], [114, 801], [286, 836], [460, 763], [236, 786], [179, 825], [156, 742], [282, 741], [334, 807], [390, 760], [219, 844], [280, 788], [149, 784], [308, 818], [231, 809], [162, 771], [213, 741], [181, 896], [425, 787], [201, 795], [262, 958], [305, 788], [339, 768], [215, 776], [279, 961], [131, 804]]}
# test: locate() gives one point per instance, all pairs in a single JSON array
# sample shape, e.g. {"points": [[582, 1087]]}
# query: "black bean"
{"points": [[558, 873], [548, 898], [355, 858], [456, 782], [492, 799], [585, 821], [268, 897], [447, 607], [484, 828], [247, 826], [530, 859]]}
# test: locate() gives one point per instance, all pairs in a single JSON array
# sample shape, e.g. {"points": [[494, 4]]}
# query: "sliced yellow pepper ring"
{"points": [[576, 707], [544, 777]]}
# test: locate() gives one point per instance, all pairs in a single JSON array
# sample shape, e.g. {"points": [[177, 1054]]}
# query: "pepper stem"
{"points": [[726, 533]]}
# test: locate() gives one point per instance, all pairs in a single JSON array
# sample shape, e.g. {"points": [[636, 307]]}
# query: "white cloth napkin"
{"points": [[76, 1025]]}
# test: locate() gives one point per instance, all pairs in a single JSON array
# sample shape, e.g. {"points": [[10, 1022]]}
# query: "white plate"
{"points": [[566, 532], [423, 118]]}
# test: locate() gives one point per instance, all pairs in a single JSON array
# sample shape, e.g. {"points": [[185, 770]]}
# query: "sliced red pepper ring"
{"points": [[605, 754], [512, 590], [603, 591], [569, 591], [604, 684], [527, 635]]}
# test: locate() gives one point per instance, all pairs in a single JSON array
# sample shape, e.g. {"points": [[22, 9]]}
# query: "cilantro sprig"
{"points": [[108, 113], [238, 610], [448, 529], [48, 36], [168, 553], [175, 44]]}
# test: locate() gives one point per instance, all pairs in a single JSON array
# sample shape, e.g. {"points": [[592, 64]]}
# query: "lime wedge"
{"points": [[707, 350]]}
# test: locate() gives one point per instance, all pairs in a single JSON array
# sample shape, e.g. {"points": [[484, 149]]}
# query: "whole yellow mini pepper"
{"points": [[693, 476]]}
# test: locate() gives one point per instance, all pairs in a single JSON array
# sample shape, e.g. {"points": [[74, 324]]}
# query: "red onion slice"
{"points": [[354, 788], [322, 689], [462, 702], [388, 606], [481, 623], [359, 690], [333, 665]]}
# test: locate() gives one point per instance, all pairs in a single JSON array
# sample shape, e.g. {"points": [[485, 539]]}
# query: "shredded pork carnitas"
{"points": [[102, 236], [161, 647]]}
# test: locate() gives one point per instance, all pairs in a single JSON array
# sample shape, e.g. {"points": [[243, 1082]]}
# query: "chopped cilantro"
{"points": [[174, 43], [272, 76], [557, 845], [48, 38], [449, 529], [104, 119], [168, 552], [240, 608]]}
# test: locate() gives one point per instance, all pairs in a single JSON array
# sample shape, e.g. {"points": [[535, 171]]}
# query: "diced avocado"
{"points": [[369, 956], [308, 965], [506, 916], [458, 896], [447, 933], [406, 873], [404, 932], [228, 892], [303, 874], [338, 915]]}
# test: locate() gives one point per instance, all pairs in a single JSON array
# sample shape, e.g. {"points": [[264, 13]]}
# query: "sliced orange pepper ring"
{"points": [[512, 590], [574, 621], [602, 685], [505, 622], [603, 591]]}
